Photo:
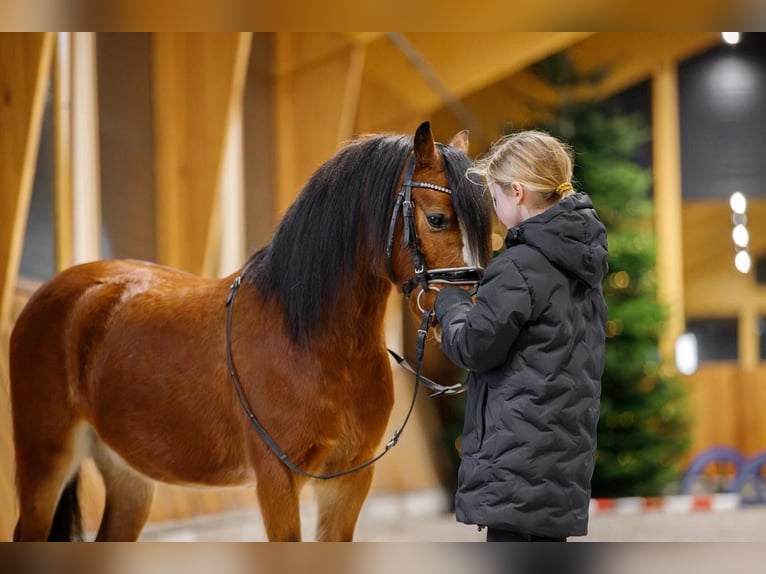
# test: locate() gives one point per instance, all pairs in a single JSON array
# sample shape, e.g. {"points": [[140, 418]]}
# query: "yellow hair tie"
{"points": [[563, 188]]}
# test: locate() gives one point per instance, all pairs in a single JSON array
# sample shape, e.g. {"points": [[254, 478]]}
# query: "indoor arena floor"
{"points": [[421, 517]]}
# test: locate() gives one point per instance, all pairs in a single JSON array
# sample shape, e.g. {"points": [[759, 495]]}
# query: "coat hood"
{"points": [[570, 235]]}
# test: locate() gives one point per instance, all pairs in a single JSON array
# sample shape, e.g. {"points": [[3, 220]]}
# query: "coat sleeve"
{"points": [[478, 337]]}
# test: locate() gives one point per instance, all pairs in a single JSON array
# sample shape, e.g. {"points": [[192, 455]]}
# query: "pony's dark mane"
{"points": [[315, 251]]}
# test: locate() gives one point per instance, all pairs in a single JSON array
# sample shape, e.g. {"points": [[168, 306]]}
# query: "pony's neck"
{"points": [[361, 310]]}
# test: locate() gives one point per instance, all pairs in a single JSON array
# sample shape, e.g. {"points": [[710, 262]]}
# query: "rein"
{"points": [[423, 277]]}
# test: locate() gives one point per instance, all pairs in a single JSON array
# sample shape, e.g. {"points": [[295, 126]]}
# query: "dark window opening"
{"points": [[717, 339]]}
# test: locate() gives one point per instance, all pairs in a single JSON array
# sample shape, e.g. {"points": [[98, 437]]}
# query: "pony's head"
{"points": [[443, 228], [342, 241]]}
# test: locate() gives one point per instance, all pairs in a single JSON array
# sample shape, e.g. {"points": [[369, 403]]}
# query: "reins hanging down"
{"points": [[438, 390]]}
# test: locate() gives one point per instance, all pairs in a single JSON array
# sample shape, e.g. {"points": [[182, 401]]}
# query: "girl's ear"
{"points": [[518, 191]]}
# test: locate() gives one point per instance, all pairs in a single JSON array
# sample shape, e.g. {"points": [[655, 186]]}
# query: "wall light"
{"points": [[738, 202], [742, 261], [731, 37], [686, 354], [740, 235], [739, 232]]}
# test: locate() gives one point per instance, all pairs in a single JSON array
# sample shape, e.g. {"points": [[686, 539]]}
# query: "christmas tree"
{"points": [[643, 429]]}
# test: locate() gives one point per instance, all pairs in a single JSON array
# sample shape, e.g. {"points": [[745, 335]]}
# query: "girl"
{"points": [[534, 345]]}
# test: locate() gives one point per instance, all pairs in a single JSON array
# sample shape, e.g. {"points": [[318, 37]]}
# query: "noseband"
{"points": [[423, 276]]}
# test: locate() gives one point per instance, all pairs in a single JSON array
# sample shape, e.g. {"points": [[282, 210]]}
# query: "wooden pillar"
{"points": [[62, 150], [747, 335], [85, 171], [126, 145], [230, 217], [225, 250], [195, 75], [77, 202], [353, 86], [667, 204], [25, 61], [24, 72], [259, 121]]}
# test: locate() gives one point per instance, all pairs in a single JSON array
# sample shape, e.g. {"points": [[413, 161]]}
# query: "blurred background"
{"points": [[186, 149]]}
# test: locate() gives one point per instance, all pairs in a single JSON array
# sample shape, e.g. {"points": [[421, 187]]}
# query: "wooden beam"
{"points": [[522, 99], [309, 104], [463, 62], [514, 103], [305, 50], [364, 38], [632, 57], [666, 151], [194, 75], [25, 61]]}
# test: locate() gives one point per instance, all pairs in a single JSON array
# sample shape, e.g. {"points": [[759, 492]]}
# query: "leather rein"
{"points": [[423, 277]]}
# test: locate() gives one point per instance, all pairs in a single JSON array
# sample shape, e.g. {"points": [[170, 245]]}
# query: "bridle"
{"points": [[423, 277]]}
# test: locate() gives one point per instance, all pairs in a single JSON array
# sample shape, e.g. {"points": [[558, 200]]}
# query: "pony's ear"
{"points": [[460, 141], [425, 150]]}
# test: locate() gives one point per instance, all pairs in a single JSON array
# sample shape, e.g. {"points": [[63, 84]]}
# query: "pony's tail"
{"points": [[67, 521]]}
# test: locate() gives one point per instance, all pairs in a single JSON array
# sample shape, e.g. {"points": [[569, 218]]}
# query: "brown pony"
{"points": [[126, 361]]}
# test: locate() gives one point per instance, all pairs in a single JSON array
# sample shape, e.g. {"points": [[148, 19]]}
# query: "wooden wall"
{"points": [[727, 405]]}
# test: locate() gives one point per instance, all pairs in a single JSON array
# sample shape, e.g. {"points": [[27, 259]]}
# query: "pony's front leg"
{"points": [[340, 501], [278, 495]]}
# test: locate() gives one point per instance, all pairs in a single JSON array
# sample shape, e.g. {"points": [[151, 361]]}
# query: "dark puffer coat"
{"points": [[534, 346]]}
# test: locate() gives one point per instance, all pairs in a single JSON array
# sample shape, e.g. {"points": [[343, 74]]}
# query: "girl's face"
{"points": [[507, 207]]}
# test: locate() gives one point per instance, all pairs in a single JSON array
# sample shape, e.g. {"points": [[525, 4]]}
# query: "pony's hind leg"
{"points": [[340, 501], [128, 498]]}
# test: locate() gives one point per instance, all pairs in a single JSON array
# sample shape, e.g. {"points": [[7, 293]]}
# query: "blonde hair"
{"points": [[537, 160]]}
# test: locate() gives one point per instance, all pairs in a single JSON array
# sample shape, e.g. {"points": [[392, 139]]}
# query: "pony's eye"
{"points": [[437, 221]]}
